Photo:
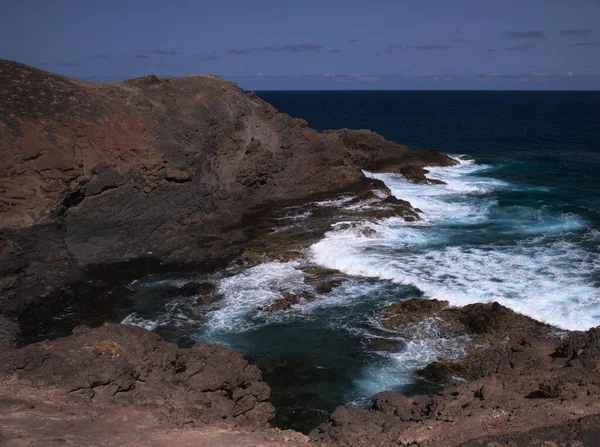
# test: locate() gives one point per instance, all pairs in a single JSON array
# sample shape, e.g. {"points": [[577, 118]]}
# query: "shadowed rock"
{"points": [[153, 170]]}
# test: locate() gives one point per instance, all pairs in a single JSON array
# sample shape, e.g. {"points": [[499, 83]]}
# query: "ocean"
{"points": [[517, 222]]}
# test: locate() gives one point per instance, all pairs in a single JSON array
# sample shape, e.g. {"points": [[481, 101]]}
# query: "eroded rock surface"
{"points": [[119, 370], [526, 386]]}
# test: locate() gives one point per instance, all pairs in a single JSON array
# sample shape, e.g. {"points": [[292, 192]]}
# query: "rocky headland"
{"points": [[152, 172], [101, 183]]}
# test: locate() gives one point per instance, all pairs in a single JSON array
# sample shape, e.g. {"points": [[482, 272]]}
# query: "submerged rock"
{"points": [[286, 302], [195, 288], [327, 286]]}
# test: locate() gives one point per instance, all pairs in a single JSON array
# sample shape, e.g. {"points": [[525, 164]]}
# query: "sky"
{"points": [[308, 44]]}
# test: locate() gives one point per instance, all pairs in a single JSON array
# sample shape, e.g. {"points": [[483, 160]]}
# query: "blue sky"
{"points": [[329, 44]]}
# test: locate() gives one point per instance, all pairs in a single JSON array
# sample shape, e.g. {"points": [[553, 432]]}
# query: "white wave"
{"points": [[423, 343], [135, 320], [449, 201], [245, 292], [548, 279], [334, 203], [171, 314]]}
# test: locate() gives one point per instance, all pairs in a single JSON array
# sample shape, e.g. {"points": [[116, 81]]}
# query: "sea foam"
{"points": [[538, 273]]}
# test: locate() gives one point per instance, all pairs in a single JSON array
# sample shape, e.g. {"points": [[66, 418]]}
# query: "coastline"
{"points": [[52, 251]]}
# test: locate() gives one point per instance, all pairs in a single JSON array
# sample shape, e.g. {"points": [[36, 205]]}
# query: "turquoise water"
{"points": [[517, 222]]}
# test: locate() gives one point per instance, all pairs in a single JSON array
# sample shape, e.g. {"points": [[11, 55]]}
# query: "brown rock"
{"points": [[411, 311], [175, 175], [115, 367], [194, 288], [416, 174], [286, 302], [327, 286], [86, 172]]}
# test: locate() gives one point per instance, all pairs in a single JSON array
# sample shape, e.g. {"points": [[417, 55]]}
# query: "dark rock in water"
{"points": [[411, 311], [327, 286], [286, 302], [384, 344], [119, 367], [207, 299], [441, 371], [416, 174], [319, 271], [194, 288]]}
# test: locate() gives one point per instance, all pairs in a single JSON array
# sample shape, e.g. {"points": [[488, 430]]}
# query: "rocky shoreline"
{"points": [[103, 183]]}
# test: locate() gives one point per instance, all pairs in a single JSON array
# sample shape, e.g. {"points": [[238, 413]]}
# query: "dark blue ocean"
{"points": [[518, 222]]}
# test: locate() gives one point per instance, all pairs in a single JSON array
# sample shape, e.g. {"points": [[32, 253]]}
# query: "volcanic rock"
{"points": [[152, 170], [327, 286], [117, 369], [411, 311], [286, 302]]}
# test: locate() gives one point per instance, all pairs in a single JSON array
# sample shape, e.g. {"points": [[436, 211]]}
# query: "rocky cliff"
{"points": [[159, 170]]}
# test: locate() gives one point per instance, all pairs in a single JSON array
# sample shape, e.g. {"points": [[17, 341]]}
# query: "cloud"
{"points": [[535, 34], [211, 57], [140, 56], [523, 48], [432, 47], [68, 64], [392, 47], [585, 44], [527, 81], [161, 52], [100, 56], [299, 48], [576, 32], [352, 40], [241, 50]]}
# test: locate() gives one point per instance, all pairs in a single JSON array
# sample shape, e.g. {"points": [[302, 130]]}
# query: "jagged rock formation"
{"points": [[94, 374], [152, 169], [527, 386]]}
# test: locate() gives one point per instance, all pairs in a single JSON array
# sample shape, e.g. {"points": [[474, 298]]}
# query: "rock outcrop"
{"points": [[152, 170], [526, 386], [116, 369]]}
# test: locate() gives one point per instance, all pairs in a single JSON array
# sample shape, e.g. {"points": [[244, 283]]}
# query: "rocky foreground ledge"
{"points": [[117, 385], [123, 385]]}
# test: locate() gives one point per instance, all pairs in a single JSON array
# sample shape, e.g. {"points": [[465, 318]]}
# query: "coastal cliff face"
{"points": [[152, 169]]}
